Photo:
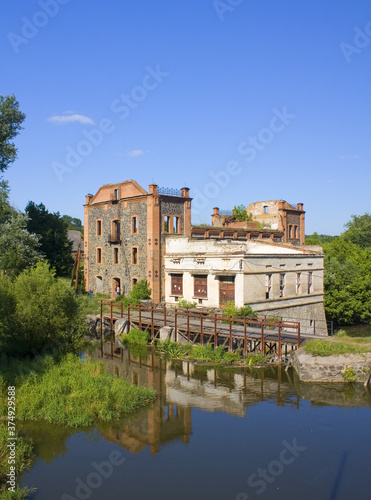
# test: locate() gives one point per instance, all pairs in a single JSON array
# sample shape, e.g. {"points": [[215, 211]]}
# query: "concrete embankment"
{"points": [[335, 368]]}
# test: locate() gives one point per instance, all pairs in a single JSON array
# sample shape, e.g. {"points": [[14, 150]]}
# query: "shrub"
{"points": [[184, 304], [140, 291], [136, 336], [232, 311], [44, 314], [349, 375]]}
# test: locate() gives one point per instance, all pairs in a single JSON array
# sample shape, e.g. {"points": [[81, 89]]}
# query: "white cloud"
{"points": [[135, 152], [71, 119], [346, 157]]}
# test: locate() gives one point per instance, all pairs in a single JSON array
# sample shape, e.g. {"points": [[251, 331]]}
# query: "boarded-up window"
{"points": [[200, 286], [226, 289], [177, 284]]}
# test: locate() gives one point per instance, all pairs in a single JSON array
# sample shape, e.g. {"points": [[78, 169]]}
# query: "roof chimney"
{"points": [[185, 192], [152, 189]]}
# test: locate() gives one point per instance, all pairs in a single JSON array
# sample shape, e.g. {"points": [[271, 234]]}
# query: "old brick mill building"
{"points": [[131, 233]]}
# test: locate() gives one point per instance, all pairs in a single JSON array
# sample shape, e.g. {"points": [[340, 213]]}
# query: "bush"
{"points": [[136, 336], [140, 291], [41, 312], [184, 304], [232, 311]]}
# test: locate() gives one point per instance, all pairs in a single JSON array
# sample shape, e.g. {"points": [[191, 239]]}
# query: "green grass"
{"points": [[329, 347], [69, 392], [205, 353], [23, 459]]}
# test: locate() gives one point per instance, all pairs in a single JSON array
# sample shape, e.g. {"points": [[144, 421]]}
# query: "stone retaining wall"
{"points": [[329, 368]]}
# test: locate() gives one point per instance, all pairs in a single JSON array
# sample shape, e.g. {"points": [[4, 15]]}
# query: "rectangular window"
{"points": [[99, 255], [134, 281], [298, 283], [176, 225], [268, 285], [265, 209], [115, 231], [282, 285], [116, 194], [166, 224], [310, 282], [296, 232], [200, 286], [115, 255], [290, 231], [177, 284], [134, 256], [134, 224], [99, 228]]}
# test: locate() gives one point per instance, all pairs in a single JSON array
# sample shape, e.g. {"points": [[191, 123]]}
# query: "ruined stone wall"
{"points": [[328, 368], [124, 269]]}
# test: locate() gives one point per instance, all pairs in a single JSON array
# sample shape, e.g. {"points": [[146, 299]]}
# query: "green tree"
{"points": [[359, 230], [52, 230], [19, 249], [41, 314], [347, 282], [239, 213], [11, 119], [73, 223]]}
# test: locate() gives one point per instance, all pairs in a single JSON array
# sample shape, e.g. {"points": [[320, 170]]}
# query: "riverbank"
{"points": [[343, 358], [68, 391]]}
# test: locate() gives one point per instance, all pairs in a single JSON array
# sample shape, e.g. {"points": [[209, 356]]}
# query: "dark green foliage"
{"points": [[73, 223], [52, 230], [40, 312], [70, 392], [11, 119], [239, 213], [347, 276]]}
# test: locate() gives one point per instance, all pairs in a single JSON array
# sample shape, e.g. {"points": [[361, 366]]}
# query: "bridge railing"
{"points": [[210, 325]]}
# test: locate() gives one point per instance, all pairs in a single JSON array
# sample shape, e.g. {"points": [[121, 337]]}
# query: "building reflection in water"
{"points": [[180, 387]]}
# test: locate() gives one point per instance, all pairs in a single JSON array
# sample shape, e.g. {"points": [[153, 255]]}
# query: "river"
{"points": [[231, 434]]}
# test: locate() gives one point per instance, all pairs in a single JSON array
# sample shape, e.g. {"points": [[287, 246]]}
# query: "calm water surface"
{"points": [[213, 434]]}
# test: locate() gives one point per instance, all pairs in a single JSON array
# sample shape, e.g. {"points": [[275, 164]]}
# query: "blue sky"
{"points": [[241, 100]]}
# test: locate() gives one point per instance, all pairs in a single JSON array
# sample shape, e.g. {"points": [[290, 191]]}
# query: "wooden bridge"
{"points": [[197, 326]]}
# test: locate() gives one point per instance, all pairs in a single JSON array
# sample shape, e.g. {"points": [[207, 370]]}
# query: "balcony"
{"points": [[114, 237]]}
